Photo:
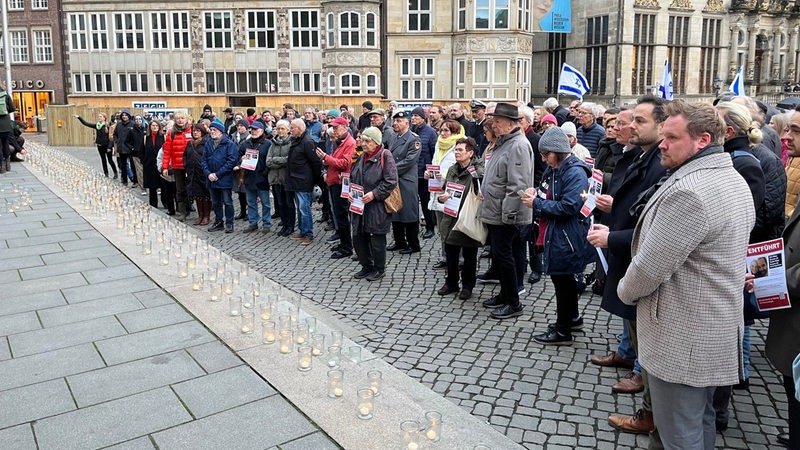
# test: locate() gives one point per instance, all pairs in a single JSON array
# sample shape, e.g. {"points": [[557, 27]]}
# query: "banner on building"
{"points": [[552, 16]]}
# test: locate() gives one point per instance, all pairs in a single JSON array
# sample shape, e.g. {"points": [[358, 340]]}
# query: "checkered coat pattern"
{"points": [[687, 274]]}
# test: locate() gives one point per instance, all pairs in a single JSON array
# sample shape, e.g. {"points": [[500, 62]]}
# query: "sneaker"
{"points": [[575, 325], [534, 277], [441, 265], [216, 226], [376, 275], [250, 229], [362, 273], [520, 290], [339, 254], [493, 302], [488, 277], [229, 230], [266, 230], [428, 234], [332, 239], [506, 312], [487, 252], [554, 337], [296, 237]]}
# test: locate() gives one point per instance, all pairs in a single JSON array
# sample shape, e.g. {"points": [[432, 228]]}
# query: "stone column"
{"points": [[751, 53], [791, 57], [733, 61], [284, 74], [775, 73]]}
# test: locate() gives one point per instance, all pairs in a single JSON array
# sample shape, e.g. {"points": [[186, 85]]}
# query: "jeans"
{"points": [[625, 348], [306, 224], [504, 263], [253, 195], [341, 217], [221, 199], [746, 351]]}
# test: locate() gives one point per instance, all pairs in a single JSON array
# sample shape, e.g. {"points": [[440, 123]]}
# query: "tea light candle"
{"points": [[374, 377], [317, 344], [216, 291], [433, 432], [197, 281], [191, 261], [301, 334], [163, 257], [335, 383], [334, 355], [235, 303], [286, 341], [410, 429], [266, 311], [268, 332], [248, 322], [365, 404], [304, 358], [183, 268]]}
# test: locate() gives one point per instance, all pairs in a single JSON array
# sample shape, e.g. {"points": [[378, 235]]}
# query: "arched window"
{"points": [[351, 84], [371, 30], [372, 83], [349, 29], [330, 27]]}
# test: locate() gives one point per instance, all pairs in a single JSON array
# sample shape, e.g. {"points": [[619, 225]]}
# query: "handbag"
{"points": [[468, 222], [394, 202]]}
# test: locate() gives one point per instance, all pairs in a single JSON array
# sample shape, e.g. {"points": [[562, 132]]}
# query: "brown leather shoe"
{"points": [[612, 360], [631, 384], [640, 423]]}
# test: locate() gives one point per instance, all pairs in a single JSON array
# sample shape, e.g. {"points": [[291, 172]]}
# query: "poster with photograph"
{"points": [[765, 261], [249, 159], [345, 185], [357, 193], [435, 183], [456, 191], [552, 16]]}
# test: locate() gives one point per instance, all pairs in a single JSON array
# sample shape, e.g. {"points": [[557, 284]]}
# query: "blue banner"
{"points": [[552, 16]]}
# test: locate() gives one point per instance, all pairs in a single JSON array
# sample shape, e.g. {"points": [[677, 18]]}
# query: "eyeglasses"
{"points": [[461, 150]]}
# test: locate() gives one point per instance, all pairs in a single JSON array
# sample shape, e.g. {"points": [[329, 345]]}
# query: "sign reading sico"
{"points": [[27, 84]]}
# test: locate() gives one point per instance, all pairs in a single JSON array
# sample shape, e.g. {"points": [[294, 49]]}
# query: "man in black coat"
{"points": [[303, 170]]}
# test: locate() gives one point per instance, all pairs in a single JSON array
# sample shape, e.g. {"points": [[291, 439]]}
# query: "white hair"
{"points": [[527, 112], [282, 122], [594, 108], [299, 123], [550, 104]]}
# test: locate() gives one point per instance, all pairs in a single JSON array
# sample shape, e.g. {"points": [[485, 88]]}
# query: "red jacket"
{"points": [[174, 146], [339, 162]]}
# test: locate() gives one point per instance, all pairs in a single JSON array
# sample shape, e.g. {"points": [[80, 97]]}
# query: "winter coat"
{"points": [[792, 185], [220, 160], [457, 174], [446, 161], [340, 161], [562, 115], [746, 164], [196, 179], [150, 170], [508, 171], [427, 139], [6, 124], [608, 153], [122, 137], [783, 336], [313, 128], [405, 150], [771, 220], [566, 249], [257, 179], [174, 145], [591, 137], [101, 134], [376, 174], [538, 163], [277, 159], [137, 140], [303, 166]]}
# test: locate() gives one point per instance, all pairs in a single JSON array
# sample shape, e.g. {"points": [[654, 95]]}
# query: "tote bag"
{"points": [[468, 222]]}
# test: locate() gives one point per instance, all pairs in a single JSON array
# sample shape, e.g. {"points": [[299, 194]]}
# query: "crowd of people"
{"points": [[679, 190]]}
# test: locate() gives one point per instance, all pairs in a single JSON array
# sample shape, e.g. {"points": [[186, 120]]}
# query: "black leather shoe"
{"points": [[575, 325], [376, 275], [241, 216], [447, 290], [534, 277], [506, 312], [488, 277], [339, 254], [409, 250], [554, 337], [783, 439], [493, 302], [395, 246], [440, 265], [465, 294], [742, 385], [428, 234], [362, 273]]}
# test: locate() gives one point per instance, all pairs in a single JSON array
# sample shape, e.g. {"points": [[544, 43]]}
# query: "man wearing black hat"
{"points": [[509, 171], [406, 149], [427, 138], [207, 113], [230, 122], [478, 118], [363, 121]]}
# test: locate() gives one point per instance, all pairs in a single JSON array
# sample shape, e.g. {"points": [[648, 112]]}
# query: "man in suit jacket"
{"points": [[686, 275], [783, 337]]}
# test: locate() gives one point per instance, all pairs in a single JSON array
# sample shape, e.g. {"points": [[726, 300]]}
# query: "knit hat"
{"points": [[333, 113], [569, 129], [554, 140], [339, 121], [550, 119], [207, 108], [216, 123], [243, 122], [367, 104], [419, 111], [373, 134]]}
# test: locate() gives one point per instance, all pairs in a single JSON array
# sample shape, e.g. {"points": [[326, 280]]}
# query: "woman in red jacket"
{"points": [[174, 145]]}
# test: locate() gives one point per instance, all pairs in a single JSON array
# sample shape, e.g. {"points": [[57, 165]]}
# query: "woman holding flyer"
{"points": [[449, 133], [464, 174], [372, 180], [562, 228]]}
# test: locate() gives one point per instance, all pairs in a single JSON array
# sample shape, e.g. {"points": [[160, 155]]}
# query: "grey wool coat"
{"points": [[406, 149]]}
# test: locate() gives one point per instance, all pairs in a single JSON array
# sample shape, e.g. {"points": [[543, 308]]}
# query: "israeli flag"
{"points": [[737, 87], [665, 90], [572, 82]]}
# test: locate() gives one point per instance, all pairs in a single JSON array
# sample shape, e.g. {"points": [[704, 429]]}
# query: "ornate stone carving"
{"points": [[372, 59], [239, 34], [283, 26], [681, 4], [198, 61], [525, 45], [506, 44], [476, 45], [714, 6], [460, 45], [646, 3]]}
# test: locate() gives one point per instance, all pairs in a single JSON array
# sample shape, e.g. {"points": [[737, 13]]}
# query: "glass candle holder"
{"points": [[335, 383], [336, 338], [247, 300], [286, 341], [312, 324], [434, 431], [293, 313], [248, 322], [301, 334], [211, 275], [235, 303], [334, 355], [266, 311], [285, 322], [268, 332], [216, 291], [365, 404], [177, 250], [183, 268], [139, 238], [197, 281], [120, 222], [235, 277], [481, 447], [147, 247], [204, 256], [304, 358], [227, 285], [244, 269], [317, 344], [221, 268], [191, 261], [410, 429], [160, 237], [374, 378], [163, 257], [354, 353], [255, 288]]}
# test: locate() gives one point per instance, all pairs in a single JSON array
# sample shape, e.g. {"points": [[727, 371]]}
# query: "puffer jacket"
{"points": [[174, 145], [591, 137], [427, 139], [277, 159], [566, 249], [509, 171], [771, 220], [792, 185], [220, 160]]}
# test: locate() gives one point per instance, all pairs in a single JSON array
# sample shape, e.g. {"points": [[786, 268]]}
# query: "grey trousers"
{"points": [[684, 415]]}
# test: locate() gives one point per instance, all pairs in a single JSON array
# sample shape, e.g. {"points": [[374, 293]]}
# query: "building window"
{"points": [[129, 31], [39, 4], [678, 50], [260, 29], [330, 28], [524, 15], [16, 5], [306, 83], [490, 78], [351, 84], [417, 78], [77, 32], [556, 57], [372, 83], [372, 30], [132, 82], [218, 30], [419, 15], [42, 46], [491, 14], [98, 28], [160, 30], [305, 29], [173, 82], [331, 84], [241, 82], [644, 28], [180, 30], [19, 46], [81, 83], [462, 15], [460, 78], [349, 29], [709, 54], [102, 82], [523, 79], [597, 53]]}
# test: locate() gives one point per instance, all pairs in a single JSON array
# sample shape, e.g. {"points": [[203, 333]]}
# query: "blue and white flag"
{"points": [[665, 90], [572, 82], [737, 87]]}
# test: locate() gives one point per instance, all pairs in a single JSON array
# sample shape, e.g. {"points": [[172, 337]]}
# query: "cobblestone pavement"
{"points": [[541, 397]]}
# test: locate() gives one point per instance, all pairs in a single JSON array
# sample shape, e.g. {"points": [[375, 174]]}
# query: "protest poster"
{"points": [[456, 191], [766, 262], [435, 183], [357, 193], [249, 159]]}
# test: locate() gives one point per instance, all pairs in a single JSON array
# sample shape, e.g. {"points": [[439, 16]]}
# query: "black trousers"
{"points": [[107, 158], [371, 250], [794, 413], [424, 198], [566, 301], [122, 162], [341, 217], [168, 190], [406, 234], [153, 196], [503, 261], [469, 269]]}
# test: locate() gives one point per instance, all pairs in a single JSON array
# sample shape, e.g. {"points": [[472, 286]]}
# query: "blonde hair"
{"points": [[738, 117], [700, 117]]}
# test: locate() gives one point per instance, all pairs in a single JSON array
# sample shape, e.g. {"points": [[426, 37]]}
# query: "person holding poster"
{"points": [[783, 336]]}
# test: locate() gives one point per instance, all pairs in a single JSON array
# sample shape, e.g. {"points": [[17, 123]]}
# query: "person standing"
{"points": [[255, 183], [687, 286], [123, 140], [102, 142], [338, 163], [151, 175], [220, 155], [303, 169], [509, 171], [427, 138], [174, 145], [196, 182], [276, 161], [6, 128], [406, 149]]}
